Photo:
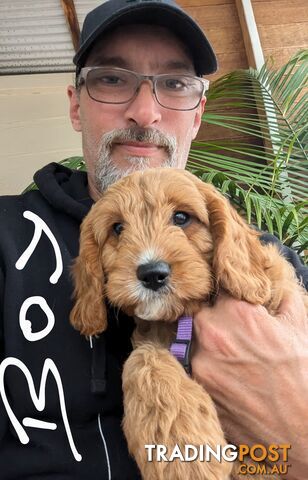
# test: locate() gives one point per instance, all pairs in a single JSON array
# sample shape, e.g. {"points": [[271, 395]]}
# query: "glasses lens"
{"points": [[179, 92], [110, 85]]}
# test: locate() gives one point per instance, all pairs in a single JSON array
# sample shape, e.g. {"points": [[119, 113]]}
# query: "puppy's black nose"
{"points": [[153, 275]]}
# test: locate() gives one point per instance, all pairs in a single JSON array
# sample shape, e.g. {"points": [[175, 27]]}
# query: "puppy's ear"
{"points": [[89, 312], [239, 259]]}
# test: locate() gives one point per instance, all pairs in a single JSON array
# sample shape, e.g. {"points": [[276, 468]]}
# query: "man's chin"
{"points": [[134, 163], [140, 162], [111, 172], [112, 169]]}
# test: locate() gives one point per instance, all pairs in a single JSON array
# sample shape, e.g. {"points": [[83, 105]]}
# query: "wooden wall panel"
{"points": [[283, 27], [220, 22], [279, 12]]}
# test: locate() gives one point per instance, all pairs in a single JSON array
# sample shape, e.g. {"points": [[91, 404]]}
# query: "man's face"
{"points": [[150, 135]]}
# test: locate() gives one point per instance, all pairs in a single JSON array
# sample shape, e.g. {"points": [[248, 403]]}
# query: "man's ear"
{"points": [[73, 97], [198, 117]]}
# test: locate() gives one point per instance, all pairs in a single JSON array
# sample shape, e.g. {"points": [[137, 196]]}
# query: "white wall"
{"points": [[34, 127]]}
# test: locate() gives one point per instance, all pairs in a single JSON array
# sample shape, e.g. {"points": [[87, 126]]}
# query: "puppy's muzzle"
{"points": [[153, 275]]}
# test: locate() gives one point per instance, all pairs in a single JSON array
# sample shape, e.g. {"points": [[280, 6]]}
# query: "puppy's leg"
{"points": [[164, 406]]}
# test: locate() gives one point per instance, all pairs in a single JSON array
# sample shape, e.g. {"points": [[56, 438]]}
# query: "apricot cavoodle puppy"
{"points": [[156, 245]]}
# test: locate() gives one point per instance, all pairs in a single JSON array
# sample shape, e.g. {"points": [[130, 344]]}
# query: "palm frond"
{"points": [[262, 118]]}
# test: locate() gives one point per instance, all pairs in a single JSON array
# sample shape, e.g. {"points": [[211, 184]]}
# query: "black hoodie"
{"points": [[61, 408]]}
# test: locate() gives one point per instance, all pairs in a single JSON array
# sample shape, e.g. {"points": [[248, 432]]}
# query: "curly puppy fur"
{"points": [[215, 250]]}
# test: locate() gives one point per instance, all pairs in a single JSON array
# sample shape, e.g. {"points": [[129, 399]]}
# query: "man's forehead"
{"points": [[120, 46]]}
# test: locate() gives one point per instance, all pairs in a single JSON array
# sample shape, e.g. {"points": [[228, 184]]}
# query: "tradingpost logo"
{"points": [[257, 459]]}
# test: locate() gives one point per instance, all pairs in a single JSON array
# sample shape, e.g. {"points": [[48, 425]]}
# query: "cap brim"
{"points": [[174, 19]]}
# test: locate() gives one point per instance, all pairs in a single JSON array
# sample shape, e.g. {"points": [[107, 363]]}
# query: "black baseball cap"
{"points": [[166, 13]]}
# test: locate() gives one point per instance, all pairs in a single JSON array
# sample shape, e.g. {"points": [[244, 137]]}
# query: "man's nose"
{"points": [[143, 109]]}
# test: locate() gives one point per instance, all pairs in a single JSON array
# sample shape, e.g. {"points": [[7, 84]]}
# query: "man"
{"points": [[60, 415]]}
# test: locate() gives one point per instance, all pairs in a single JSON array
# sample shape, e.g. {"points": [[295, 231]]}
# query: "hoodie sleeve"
{"points": [[291, 256]]}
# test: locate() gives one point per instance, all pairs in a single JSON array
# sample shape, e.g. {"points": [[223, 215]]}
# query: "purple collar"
{"points": [[180, 348]]}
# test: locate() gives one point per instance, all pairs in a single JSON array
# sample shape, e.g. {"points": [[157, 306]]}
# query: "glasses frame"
{"points": [[83, 75]]}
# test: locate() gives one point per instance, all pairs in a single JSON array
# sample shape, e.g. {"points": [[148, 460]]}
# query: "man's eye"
{"points": [[181, 219], [175, 84], [117, 228], [110, 80]]}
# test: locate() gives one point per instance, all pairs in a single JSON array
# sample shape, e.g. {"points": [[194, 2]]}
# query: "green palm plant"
{"points": [[265, 175]]}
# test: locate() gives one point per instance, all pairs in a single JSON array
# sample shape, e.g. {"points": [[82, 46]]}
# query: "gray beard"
{"points": [[106, 173]]}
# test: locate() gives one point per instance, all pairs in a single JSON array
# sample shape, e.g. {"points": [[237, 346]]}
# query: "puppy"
{"points": [[156, 245]]}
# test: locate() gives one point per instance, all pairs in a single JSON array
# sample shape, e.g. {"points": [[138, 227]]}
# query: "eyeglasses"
{"points": [[117, 85]]}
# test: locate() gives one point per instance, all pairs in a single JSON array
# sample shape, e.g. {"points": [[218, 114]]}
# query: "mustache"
{"points": [[139, 134], [107, 172]]}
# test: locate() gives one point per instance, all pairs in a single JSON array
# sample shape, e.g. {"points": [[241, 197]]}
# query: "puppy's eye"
{"points": [[181, 219], [117, 228]]}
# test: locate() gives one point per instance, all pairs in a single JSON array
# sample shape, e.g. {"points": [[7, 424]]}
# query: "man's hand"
{"points": [[255, 367]]}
